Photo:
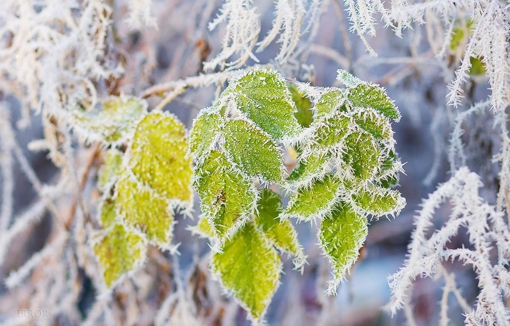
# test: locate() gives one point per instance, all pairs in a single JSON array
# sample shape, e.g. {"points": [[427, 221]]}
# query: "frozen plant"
{"points": [[260, 160]]}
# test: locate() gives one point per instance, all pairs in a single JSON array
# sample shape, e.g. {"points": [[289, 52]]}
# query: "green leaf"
{"points": [[330, 102], [347, 79], [304, 114], [378, 201], [249, 267], [227, 198], [388, 175], [314, 200], [158, 157], [115, 121], [375, 124], [315, 166], [118, 252], [331, 131], [253, 151], [367, 95], [361, 155], [110, 170], [263, 96], [142, 209], [205, 130], [280, 232], [341, 236]]}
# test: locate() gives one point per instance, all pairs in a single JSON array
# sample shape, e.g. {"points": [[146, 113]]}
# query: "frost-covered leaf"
{"points": [[366, 95], [388, 175], [263, 96], [158, 157], [373, 123], [331, 131], [304, 114], [330, 102], [118, 252], [253, 151], [279, 231], [341, 236], [107, 212], [314, 200], [314, 166], [203, 228], [110, 169], [227, 198], [361, 154], [141, 208], [114, 121], [347, 79], [249, 267], [205, 129], [378, 201]]}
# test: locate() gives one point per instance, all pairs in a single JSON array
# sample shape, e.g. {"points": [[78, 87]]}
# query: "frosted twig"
{"points": [[241, 33], [15, 278], [6, 165], [195, 82]]}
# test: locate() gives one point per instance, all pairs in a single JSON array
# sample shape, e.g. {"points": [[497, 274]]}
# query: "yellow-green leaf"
{"points": [[158, 157], [378, 201], [141, 208], [314, 200], [314, 166], [329, 103], [367, 95], [249, 267], [205, 130], [108, 212], [253, 151], [341, 236], [203, 228], [304, 114], [110, 169], [227, 198], [361, 154], [331, 131], [114, 122], [374, 123], [118, 252], [279, 231]]}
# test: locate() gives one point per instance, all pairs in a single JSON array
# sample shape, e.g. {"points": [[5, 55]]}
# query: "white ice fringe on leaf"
{"points": [[484, 225]]}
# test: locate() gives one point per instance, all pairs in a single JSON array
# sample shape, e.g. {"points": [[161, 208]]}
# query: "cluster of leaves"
{"points": [[141, 186], [346, 166]]}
